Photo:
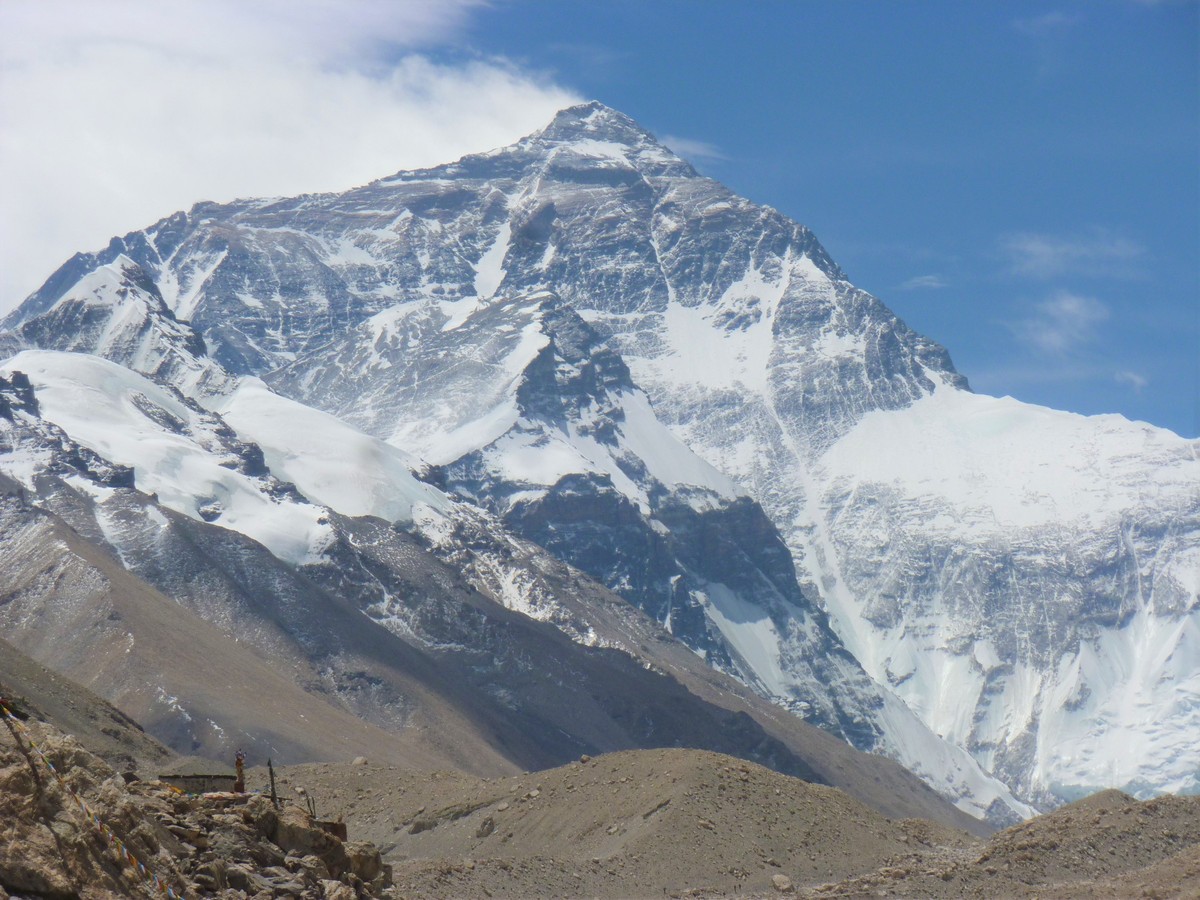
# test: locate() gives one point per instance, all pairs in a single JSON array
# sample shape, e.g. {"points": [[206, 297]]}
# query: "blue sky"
{"points": [[1018, 180]]}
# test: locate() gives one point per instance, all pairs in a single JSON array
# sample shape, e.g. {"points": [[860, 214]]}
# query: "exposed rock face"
{"points": [[570, 453], [565, 449], [117, 311]]}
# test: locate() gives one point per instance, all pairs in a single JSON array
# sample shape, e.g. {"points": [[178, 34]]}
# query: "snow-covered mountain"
{"points": [[216, 642], [677, 391], [570, 455]]}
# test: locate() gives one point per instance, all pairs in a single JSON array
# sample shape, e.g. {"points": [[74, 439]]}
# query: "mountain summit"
{"points": [[678, 393], [593, 129]]}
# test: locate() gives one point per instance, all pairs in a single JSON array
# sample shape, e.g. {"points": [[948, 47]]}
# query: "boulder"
{"points": [[297, 834], [336, 890], [47, 846], [365, 860]]}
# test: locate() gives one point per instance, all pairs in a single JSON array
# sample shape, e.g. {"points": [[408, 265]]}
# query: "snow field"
{"points": [[172, 449]]}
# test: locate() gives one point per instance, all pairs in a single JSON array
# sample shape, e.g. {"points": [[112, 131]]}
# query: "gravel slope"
{"points": [[654, 823]]}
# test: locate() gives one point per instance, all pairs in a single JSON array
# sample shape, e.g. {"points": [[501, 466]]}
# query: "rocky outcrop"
{"points": [[47, 847], [70, 831]]}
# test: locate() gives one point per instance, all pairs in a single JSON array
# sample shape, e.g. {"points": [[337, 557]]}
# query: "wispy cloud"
{"points": [[924, 282], [1047, 36], [1047, 23], [698, 151], [1133, 379], [1062, 323], [120, 112], [306, 31], [597, 60], [1020, 374], [1099, 252]]}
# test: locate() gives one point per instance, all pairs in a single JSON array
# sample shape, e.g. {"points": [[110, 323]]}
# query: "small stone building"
{"points": [[200, 784]]}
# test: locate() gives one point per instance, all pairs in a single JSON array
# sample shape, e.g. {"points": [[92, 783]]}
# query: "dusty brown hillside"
{"points": [[1107, 845], [98, 725], [650, 823], [690, 823], [638, 823]]}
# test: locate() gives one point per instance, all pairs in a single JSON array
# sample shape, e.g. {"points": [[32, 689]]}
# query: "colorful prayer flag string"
{"points": [[114, 841]]}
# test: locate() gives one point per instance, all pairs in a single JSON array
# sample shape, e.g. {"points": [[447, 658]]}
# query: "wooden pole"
{"points": [[271, 772]]}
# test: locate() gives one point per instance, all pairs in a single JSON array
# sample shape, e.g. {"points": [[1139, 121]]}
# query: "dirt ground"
{"points": [[647, 823], [638, 823], [684, 823]]}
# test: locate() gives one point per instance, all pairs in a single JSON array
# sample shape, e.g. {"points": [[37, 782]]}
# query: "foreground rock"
{"points": [[226, 845]]}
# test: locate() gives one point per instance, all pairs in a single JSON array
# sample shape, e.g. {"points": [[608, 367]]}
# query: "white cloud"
{"points": [[118, 113], [1062, 323], [327, 31], [1047, 23], [595, 59], [924, 282], [1099, 252], [1133, 379], [697, 151]]}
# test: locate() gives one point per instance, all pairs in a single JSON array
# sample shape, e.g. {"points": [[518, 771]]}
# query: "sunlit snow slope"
{"points": [[186, 457], [1091, 662]]}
